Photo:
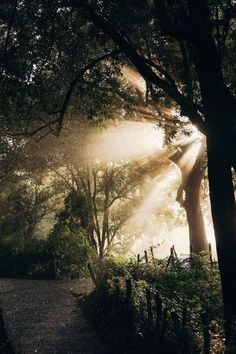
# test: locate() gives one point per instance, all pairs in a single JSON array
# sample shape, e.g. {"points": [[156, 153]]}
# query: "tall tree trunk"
{"points": [[219, 111], [192, 205], [224, 219], [191, 186]]}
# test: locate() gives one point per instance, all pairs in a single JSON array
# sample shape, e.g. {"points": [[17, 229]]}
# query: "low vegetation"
{"points": [[64, 254], [169, 306]]}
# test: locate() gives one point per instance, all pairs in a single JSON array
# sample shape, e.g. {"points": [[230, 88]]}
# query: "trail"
{"points": [[42, 316]]}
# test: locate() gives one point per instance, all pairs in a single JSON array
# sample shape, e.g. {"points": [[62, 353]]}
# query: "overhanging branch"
{"points": [[80, 73], [188, 107]]}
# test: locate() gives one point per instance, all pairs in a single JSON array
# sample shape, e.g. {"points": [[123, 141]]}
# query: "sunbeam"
{"points": [[189, 157], [141, 144], [154, 199]]}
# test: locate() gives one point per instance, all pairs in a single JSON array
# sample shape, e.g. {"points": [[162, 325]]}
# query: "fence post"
{"points": [[206, 332], [146, 256], [141, 312], [128, 290], [117, 289], [184, 317], [149, 305], [174, 252], [158, 303], [163, 328], [138, 258], [176, 323], [152, 253], [172, 256]]}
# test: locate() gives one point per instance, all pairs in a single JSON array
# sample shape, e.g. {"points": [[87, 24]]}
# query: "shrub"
{"points": [[63, 255], [68, 250], [25, 262], [191, 284]]}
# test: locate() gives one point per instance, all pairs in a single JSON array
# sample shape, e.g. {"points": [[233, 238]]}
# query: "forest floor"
{"points": [[43, 316]]}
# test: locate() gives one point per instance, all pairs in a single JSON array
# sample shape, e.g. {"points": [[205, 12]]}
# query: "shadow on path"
{"points": [[43, 317]]}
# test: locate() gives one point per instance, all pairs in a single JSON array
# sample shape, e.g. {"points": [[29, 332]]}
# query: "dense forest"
{"points": [[118, 141]]}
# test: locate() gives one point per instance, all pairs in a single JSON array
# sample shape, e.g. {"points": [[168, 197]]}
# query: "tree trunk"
{"points": [[224, 219], [219, 111], [191, 185], [197, 232]]}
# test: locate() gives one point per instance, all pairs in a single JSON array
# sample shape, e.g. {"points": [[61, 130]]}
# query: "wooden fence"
{"points": [[148, 256], [169, 330]]}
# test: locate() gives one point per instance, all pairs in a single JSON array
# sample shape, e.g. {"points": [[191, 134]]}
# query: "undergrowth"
{"points": [[130, 322]]}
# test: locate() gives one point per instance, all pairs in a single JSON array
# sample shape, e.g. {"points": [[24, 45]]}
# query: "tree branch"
{"points": [[186, 68], [188, 108], [80, 73], [162, 71], [36, 130]]}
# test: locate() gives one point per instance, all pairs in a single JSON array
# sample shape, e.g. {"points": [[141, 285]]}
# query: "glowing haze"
{"points": [[127, 141]]}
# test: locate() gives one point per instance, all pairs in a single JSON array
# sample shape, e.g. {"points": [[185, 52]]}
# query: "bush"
{"points": [[68, 250], [63, 255], [25, 262], [192, 284]]}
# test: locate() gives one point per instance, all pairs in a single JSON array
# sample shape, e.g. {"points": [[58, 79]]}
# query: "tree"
{"points": [[188, 195], [68, 250], [100, 201], [23, 208]]}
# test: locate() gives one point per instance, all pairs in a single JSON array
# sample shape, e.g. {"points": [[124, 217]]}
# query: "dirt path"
{"points": [[43, 317]]}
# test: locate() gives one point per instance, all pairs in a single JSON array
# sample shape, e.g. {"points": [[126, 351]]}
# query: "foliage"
{"points": [[39, 67], [28, 204], [64, 254], [102, 198], [68, 250], [28, 262], [44, 48], [192, 284]]}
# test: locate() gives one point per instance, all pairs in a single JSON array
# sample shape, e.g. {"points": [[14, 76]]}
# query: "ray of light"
{"points": [[188, 159], [134, 78], [140, 142], [154, 199]]}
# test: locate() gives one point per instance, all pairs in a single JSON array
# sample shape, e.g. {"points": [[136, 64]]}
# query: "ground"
{"points": [[43, 316]]}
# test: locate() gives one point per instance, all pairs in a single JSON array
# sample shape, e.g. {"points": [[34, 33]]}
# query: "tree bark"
{"points": [[191, 186], [224, 220], [197, 232], [219, 110]]}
